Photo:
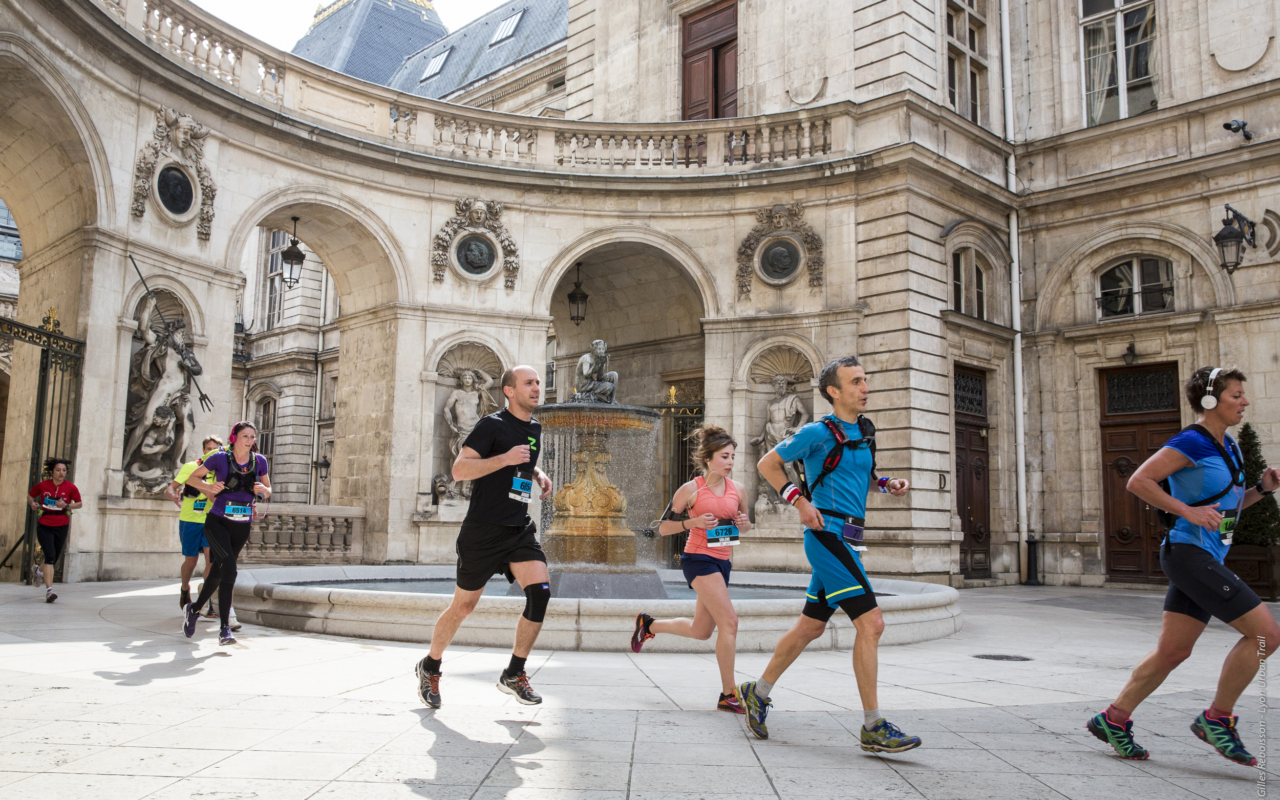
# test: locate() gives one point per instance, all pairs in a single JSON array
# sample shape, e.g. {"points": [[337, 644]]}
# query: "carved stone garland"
{"points": [[475, 215], [180, 137], [777, 219]]}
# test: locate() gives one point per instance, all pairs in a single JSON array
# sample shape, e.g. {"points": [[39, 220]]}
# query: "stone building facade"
{"points": [[884, 186]]}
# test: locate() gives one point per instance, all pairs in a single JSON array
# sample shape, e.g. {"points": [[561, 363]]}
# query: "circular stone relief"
{"points": [[475, 254], [175, 190], [779, 260]]}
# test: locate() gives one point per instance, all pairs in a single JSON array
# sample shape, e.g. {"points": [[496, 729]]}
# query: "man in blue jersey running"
{"points": [[838, 455]]}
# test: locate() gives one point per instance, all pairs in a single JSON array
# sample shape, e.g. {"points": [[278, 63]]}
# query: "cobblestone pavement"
{"points": [[102, 697]]}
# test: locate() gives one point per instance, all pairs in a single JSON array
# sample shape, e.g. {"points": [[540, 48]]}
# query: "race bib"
{"points": [[238, 513], [852, 534], [724, 534], [50, 504], [200, 505], [521, 486], [1227, 528]]}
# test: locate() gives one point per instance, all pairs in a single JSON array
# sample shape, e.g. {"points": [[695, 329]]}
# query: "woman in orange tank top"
{"points": [[717, 515]]}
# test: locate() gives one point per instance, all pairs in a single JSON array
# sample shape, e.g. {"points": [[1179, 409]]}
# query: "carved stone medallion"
{"points": [[177, 150], [793, 241], [467, 234]]}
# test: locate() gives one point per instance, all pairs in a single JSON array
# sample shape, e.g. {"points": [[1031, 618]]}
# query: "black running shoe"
{"points": [[189, 619], [226, 636], [641, 633], [428, 685], [184, 599], [518, 687]]}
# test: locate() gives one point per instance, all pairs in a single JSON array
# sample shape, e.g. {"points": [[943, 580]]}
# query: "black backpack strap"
{"points": [[1167, 519], [868, 430], [843, 443]]}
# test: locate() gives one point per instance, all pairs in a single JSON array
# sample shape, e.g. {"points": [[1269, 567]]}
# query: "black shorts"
{"points": [[53, 540], [1200, 587], [487, 550], [696, 565]]}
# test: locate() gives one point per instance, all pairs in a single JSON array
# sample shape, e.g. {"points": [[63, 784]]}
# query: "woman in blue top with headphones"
{"points": [[241, 474], [1197, 479]]}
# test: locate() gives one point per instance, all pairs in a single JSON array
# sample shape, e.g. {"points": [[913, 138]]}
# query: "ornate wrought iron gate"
{"points": [[56, 416], [681, 413]]}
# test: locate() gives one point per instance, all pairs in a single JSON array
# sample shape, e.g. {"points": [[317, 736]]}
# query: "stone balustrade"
{"points": [[204, 44], [303, 534]]}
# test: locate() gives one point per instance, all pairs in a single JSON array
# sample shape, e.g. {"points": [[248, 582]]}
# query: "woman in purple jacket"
{"points": [[241, 474]]}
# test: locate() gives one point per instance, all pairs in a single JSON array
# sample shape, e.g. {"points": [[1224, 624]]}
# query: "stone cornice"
{"points": [[958, 320], [783, 322], [1134, 325]]}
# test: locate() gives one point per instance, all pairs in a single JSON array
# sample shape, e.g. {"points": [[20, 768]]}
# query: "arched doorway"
{"points": [[56, 184], [647, 305], [323, 369]]}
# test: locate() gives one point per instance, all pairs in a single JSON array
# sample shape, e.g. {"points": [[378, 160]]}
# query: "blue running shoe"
{"points": [[189, 619], [1120, 737], [886, 738], [1221, 733], [757, 709]]}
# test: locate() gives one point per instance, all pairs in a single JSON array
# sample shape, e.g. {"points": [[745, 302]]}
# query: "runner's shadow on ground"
{"points": [[179, 666], [445, 746]]}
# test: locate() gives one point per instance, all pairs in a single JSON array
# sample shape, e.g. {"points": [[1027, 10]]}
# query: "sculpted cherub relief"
{"points": [[471, 214], [181, 138]]}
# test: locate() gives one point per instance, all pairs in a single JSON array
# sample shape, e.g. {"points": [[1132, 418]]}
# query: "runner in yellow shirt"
{"points": [[194, 507]]}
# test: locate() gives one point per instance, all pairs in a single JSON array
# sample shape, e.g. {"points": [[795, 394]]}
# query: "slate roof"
{"points": [[543, 24], [369, 39]]}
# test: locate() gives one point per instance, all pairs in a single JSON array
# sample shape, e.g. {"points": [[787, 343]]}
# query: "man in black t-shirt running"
{"points": [[500, 458]]}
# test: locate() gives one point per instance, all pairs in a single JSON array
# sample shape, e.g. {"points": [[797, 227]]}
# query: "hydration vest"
{"points": [[835, 454]]}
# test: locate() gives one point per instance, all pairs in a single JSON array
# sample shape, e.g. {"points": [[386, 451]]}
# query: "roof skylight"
{"points": [[436, 64], [507, 29]]}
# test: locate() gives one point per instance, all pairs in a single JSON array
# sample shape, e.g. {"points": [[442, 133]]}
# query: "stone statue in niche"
{"points": [[467, 404], [785, 416], [592, 382], [149, 465], [159, 378]]}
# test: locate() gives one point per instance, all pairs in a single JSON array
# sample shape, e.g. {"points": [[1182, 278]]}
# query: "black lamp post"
{"points": [[1237, 231], [578, 300], [322, 466], [293, 257], [1130, 353]]}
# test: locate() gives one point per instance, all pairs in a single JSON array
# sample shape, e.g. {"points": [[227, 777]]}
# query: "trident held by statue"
{"points": [[205, 402]]}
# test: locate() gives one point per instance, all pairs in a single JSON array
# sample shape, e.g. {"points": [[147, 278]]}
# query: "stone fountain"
{"points": [[591, 550]]}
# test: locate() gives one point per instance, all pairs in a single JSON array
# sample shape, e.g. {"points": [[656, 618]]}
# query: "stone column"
{"points": [[426, 446]]}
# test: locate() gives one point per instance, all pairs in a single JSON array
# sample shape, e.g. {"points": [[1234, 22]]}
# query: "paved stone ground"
{"points": [[101, 697]]}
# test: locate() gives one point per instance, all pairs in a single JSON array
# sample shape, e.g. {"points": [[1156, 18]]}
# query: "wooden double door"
{"points": [[1139, 414], [973, 472]]}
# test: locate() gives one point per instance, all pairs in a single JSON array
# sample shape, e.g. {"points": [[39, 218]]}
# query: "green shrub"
{"points": [[1260, 523]]}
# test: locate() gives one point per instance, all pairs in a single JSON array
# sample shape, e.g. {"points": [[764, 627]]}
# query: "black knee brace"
{"points": [[536, 598]]}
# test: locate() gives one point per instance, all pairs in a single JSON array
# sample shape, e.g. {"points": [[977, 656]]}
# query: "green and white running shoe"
{"points": [[1120, 737], [1221, 733], [757, 709], [885, 737]]}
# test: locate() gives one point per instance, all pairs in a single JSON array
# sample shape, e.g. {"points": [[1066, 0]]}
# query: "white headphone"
{"points": [[1210, 402]]}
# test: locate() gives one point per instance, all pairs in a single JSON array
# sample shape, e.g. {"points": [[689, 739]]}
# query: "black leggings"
{"points": [[53, 540], [226, 540]]}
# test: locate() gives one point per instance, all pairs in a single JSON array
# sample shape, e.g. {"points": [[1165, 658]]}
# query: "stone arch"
{"points": [[983, 239], [358, 248], [193, 313], [669, 246], [794, 341], [261, 390], [440, 347], [1158, 238], [55, 174]]}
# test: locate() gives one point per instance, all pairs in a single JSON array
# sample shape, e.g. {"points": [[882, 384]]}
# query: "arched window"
{"points": [[1135, 287], [969, 275], [266, 424], [273, 278]]}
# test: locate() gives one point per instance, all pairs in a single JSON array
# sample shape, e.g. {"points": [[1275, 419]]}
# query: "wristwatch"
{"points": [[1262, 491]]}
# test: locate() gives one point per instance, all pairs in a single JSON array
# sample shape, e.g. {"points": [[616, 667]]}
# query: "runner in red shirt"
{"points": [[52, 499]]}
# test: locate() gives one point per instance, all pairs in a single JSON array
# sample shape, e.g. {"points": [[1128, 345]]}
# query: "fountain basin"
{"points": [[278, 597]]}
